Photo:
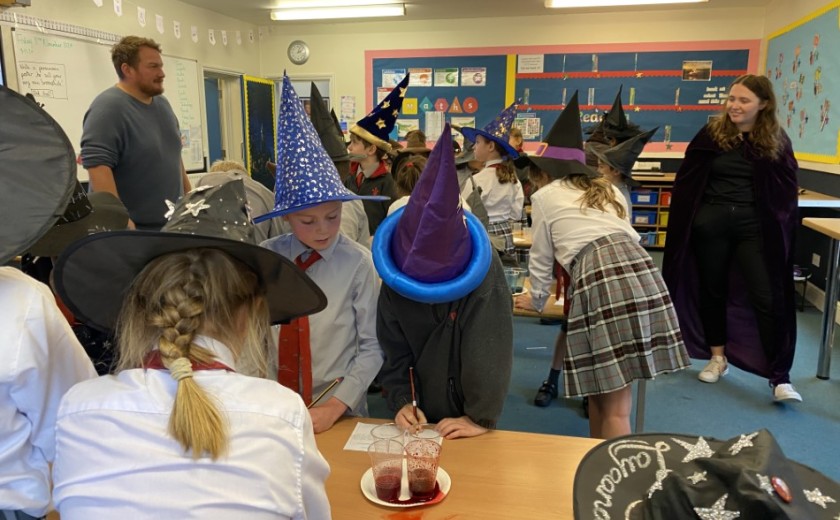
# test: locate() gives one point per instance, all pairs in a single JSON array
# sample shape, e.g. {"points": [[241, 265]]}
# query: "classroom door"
{"points": [[214, 119]]}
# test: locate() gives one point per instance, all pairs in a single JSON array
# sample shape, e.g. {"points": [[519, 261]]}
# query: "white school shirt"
{"points": [[560, 230], [342, 337], [503, 201], [40, 359], [115, 457]]}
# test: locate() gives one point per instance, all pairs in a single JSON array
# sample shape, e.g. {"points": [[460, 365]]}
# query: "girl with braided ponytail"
{"points": [[187, 418]]}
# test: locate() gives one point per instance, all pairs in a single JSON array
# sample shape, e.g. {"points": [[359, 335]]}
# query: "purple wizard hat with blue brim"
{"points": [[306, 176], [498, 130], [432, 251]]}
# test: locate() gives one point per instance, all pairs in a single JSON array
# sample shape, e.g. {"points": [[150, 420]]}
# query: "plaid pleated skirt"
{"points": [[622, 325], [505, 230]]}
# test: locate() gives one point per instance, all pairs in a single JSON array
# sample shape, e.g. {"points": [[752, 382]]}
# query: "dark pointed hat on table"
{"points": [[306, 176], [37, 173], [378, 125], [561, 154], [662, 477], [432, 250], [330, 134], [623, 156], [497, 130], [93, 274]]}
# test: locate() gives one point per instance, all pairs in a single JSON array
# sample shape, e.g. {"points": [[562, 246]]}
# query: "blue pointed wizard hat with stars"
{"points": [[657, 476], [93, 274], [497, 130], [306, 176], [378, 125], [431, 250]]}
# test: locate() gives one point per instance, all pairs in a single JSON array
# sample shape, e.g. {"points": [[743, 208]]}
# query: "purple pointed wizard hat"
{"points": [[432, 250], [497, 130], [306, 176]]}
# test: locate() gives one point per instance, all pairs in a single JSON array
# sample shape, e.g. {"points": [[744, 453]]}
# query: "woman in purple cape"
{"points": [[729, 255]]}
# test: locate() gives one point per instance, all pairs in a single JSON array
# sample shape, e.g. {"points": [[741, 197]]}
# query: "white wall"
{"points": [[235, 58], [339, 48]]}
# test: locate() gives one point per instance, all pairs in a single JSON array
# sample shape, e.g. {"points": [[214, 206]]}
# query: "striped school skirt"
{"points": [[505, 230], [622, 325]]}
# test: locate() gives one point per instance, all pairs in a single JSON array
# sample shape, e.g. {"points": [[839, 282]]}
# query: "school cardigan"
{"points": [[461, 351], [776, 203]]}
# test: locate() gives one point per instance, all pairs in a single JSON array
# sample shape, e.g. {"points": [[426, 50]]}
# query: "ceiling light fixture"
{"points": [[571, 4], [325, 10]]}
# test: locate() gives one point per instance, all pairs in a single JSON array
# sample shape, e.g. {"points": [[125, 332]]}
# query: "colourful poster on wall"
{"points": [[803, 64]]}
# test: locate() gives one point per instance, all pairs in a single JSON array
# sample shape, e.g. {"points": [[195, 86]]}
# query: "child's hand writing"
{"points": [[405, 417]]}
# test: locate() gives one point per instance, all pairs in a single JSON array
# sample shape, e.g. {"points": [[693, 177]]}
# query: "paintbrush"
{"points": [[327, 389]]}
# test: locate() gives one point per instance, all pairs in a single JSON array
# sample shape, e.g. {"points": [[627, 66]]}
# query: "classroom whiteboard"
{"points": [[66, 74]]}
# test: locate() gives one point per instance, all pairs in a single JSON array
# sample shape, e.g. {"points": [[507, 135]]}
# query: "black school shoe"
{"points": [[545, 394]]}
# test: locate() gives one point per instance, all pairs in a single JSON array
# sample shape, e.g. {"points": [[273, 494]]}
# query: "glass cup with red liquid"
{"points": [[422, 461], [386, 461]]}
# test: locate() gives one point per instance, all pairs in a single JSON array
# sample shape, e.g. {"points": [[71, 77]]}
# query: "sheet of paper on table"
{"points": [[361, 437]]}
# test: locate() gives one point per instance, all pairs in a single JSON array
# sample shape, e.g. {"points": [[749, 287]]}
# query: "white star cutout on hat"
{"points": [[699, 476], [764, 483], [717, 511], [695, 451], [744, 442], [171, 206], [194, 208], [816, 497]]}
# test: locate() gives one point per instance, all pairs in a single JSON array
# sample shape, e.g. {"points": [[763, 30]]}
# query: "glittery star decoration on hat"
{"points": [[378, 125], [718, 511], [306, 176], [498, 130]]}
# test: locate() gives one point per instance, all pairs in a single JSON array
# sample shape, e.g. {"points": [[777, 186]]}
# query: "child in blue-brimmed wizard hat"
{"points": [[621, 322], [501, 191], [444, 308], [340, 341], [369, 145]]}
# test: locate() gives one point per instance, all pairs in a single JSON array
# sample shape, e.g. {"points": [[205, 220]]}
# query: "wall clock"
{"points": [[298, 52]]}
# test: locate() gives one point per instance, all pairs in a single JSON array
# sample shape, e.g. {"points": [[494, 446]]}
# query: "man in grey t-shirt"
{"points": [[131, 143]]}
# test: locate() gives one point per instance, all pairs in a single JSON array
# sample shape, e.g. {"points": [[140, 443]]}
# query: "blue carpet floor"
{"points": [[678, 403]]}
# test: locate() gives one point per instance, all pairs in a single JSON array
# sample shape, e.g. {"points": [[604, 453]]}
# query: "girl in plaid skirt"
{"points": [[621, 323]]}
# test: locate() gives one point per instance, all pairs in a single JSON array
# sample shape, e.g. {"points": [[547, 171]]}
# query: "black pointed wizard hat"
{"points": [[614, 125], [322, 120], [561, 153], [623, 156]]}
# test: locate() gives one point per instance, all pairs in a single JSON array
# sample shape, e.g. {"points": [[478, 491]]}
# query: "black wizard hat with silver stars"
{"points": [[94, 273], [662, 476]]}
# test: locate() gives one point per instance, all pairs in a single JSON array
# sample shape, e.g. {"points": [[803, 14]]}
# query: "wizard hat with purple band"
{"points": [[498, 130], [562, 152], [306, 176], [432, 251], [377, 126]]}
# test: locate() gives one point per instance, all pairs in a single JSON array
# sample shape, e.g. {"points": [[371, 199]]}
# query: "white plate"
{"points": [[524, 291], [369, 489]]}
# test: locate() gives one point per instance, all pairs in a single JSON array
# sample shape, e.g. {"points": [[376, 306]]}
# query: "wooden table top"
{"points": [[813, 199], [498, 475], [826, 226]]}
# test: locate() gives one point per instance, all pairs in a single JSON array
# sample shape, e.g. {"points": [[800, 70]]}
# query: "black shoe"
{"points": [[545, 394], [586, 407]]}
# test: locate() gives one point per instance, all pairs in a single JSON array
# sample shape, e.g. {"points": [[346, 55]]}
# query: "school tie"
{"points": [[294, 355]]}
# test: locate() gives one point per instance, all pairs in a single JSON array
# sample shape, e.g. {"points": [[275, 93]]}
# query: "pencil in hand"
{"points": [[324, 392], [413, 394]]}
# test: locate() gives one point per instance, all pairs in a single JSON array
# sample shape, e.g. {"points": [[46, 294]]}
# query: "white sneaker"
{"points": [[714, 370], [786, 392]]}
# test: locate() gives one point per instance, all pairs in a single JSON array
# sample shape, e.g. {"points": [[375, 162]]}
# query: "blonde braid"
{"points": [[195, 422]]}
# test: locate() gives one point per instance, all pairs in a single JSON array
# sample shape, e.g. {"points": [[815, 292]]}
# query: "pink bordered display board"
{"points": [[676, 86]]}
